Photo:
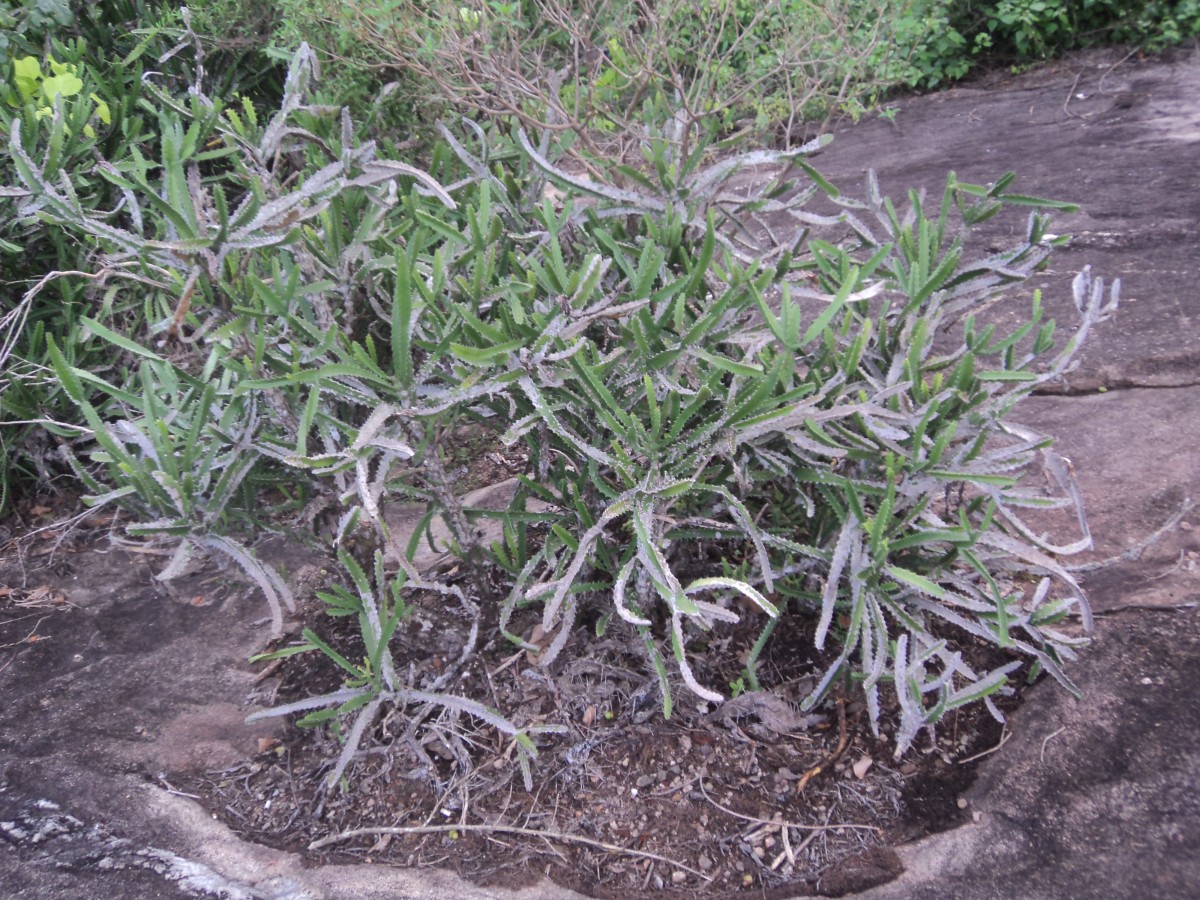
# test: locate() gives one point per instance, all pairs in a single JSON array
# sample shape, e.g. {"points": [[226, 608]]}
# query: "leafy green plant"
{"points": [[683, 187], [177, 461], [236, 41], [1033, 26], [622, 352], [927, 47], [653, 420], [374, 682], [83, 94], [177, 442], [726, 420], [64, 113], [44, 90], [384, 102]]}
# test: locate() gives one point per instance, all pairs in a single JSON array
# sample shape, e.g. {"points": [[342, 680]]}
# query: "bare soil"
{"points": [[713, 800]]}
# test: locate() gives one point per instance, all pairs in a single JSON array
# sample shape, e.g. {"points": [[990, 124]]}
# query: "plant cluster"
{"points": [[740, 394], [73, 107], [725, 416], [93, 84]]}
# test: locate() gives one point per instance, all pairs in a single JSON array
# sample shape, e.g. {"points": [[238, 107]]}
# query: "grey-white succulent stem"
{"points": [[587, 186], [273, 587], [364, 718], [685, 668], [619, 596], [847, 535]]}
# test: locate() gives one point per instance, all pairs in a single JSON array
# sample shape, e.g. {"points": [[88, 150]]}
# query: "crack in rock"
{"points": [[1090, 389]]}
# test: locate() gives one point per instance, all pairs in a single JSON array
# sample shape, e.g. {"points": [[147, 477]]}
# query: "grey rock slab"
{"points": [[1091, 798], [1136, 455], [59, 854], [1128, 153]]}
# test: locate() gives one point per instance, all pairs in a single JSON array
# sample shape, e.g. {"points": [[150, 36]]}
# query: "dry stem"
{"points": [[501, 829]]}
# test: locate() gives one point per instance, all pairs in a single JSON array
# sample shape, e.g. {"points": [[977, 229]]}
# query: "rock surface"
{"points": [[1100, 796]]}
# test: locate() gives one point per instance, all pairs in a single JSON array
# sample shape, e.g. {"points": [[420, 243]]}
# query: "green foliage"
{"points": [[86, 93], [382, 99], [380, 608], [941, 40], [176, 459], [173, 444], [43, 91], [655, 420], [927, 49], [197, 228], [602, 68], [237, 38], [25, 26], [58, 109], [1036, 28]]}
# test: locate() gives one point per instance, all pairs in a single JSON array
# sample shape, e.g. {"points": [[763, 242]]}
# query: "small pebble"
{"points": [[678, 877], [862, 766], [962, 803]]}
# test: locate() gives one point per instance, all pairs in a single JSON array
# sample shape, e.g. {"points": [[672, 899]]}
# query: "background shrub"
{"points": [[598, 67], [942, 40], [25, 25]]}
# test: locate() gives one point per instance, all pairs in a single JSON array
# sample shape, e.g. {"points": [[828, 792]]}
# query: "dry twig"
{"points": [[1005, 734], [502, 829], [1048, 738], [779, 823], [843, 743]]}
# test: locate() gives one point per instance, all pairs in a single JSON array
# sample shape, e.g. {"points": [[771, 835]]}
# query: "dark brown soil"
{"points": [[712, 800]]}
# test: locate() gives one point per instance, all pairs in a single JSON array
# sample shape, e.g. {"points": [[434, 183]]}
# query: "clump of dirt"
{"points": [[714, 800]]}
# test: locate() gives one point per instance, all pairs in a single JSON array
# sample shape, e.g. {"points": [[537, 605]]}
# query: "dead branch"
{"points": [[502, 829]]}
